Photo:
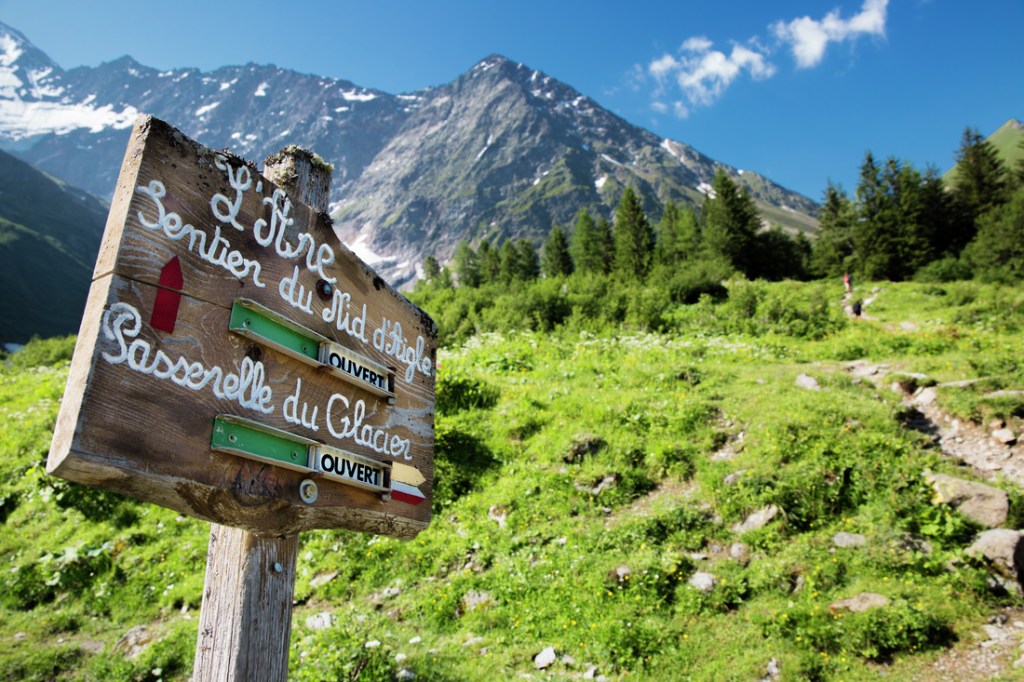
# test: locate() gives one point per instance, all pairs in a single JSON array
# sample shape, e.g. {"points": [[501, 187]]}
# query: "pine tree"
{"points": [[874, 229], [997, 253], [466, 265], [900, 226], [431, 268], [634, 238], [938, 220], [489, 262], [555, 259], [509, 262], [731, 223], [678, 237], [912, 246], [529, 267], [832, 252], [518, 261], [1019, 168], [778, 256], [589, 252], [980, 182], [606, 242]]}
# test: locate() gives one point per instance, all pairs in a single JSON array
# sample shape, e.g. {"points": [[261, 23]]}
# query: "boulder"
{"points": [[498, 514], [475, 599], [926, 396], [983, 504], [134, 642], [1002, 547], [733, 478], [759, 519], [583, 446], [865, 601], [739, 551], [619, 574], [545, 658], [849, 540], [702, 581], [320, 621], [806, 381], [1004, 436]]}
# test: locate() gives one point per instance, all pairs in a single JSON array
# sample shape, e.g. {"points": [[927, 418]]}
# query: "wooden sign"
{"points": [[237, 363]]}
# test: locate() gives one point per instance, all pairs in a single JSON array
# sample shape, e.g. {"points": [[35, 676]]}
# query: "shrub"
{"points": [[875, 634], [457, 390], [460, 459], [947, 269], [43, 352]]}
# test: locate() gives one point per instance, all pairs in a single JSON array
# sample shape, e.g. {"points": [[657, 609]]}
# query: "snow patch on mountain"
{"points": [[356, 96], [10, 50], [706, 189], [20, 120], [361, 248]]}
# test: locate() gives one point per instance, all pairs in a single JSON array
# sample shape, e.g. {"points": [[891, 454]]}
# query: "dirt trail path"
{"points": [[995, 650]]}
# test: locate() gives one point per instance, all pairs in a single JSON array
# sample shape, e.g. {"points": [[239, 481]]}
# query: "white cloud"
{"points": [[702, 73], [808, 38], [662, 67], [697, 44]]}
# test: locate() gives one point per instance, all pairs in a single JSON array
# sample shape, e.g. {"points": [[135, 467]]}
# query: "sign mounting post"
{"points": [[238, 364]]}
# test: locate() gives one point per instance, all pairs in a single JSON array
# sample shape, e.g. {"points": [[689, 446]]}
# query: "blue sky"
{"points": [[797, 90]]}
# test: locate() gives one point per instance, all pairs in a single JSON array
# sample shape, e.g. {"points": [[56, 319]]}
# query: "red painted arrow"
{"points": [[168, 297]]}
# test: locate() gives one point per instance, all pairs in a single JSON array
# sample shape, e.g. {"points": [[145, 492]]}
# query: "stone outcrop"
{"points": [[984, 504]]}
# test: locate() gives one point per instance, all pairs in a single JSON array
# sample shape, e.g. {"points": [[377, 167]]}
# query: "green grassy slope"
{"points": [[584, 479], [49, 236], [1007, 140]]}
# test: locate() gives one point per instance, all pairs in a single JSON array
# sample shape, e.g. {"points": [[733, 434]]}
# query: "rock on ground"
{"points": [[865, 601], [759, 519], [545, 658], [1003, 547], [983, 504]]}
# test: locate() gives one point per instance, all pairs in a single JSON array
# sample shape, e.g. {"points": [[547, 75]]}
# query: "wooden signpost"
{"points": [[238, 364]]}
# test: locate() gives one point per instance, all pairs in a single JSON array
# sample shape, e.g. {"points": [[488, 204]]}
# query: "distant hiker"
{"points": [[848, 282], [858, 305]]}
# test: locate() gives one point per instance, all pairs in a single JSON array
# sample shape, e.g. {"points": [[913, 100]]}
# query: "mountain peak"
{"points": [[17, 50], [494, 60], [503, 151], [13, 33], [495, 64]]}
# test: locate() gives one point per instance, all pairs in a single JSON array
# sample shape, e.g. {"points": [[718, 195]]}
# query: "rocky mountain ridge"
{"points": [[502, 151]]}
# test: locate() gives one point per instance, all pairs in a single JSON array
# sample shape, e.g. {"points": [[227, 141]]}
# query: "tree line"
{"points": [[900, 223], [725, 238]]}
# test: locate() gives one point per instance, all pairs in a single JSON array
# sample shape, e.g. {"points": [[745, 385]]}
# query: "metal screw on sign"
{"points": [[308, 491]]}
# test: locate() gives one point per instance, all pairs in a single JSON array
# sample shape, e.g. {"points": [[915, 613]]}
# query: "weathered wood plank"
{"points": [[177, 202], [246, 614], [139, 407], [149, 438]]}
